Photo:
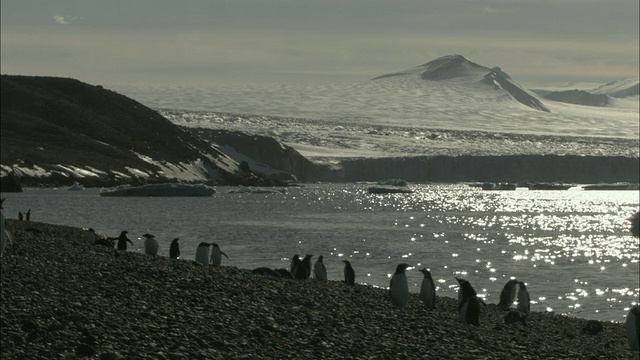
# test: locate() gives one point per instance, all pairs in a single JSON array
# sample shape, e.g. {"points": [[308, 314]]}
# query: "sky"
{"points": [[231, 43]]}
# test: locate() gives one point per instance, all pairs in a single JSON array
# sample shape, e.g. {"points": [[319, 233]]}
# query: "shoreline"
{"points": [[61, 296]]}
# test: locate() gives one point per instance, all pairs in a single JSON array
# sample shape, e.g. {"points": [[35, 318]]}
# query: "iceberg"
{"points": [[76, 186], [160, 190]]}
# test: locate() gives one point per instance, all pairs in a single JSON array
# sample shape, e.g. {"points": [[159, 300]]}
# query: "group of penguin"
{"points": [[151, 247], [469, 304]]}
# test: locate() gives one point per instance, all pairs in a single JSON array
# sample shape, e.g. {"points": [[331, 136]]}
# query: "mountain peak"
{"points": [[446, 67], [450, 66]]}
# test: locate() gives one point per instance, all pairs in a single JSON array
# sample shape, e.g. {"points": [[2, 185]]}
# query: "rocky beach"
{"points": [[63, 298]]}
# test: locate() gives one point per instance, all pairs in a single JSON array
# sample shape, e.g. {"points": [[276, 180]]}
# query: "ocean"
{"points": [[572, 248]]}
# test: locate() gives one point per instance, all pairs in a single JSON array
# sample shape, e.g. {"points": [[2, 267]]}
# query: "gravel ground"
{"points": [[62, 298]]}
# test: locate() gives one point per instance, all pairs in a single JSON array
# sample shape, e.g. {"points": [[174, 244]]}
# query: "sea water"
{"points": [[572, 248]]}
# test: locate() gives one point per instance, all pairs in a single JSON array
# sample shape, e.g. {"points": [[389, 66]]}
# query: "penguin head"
{"points": [[175, 240], [522, 285], [461, 281], [307, 258], [346, 262], [295, 257], [214, 245], [401, 268], [467, 289], [91, 230], [320, 258], [124, 233], [206, 244], [148, 236], [426, 272]]}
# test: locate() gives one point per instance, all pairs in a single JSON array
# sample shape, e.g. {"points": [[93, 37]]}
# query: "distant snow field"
{"points": [[448, 106]]}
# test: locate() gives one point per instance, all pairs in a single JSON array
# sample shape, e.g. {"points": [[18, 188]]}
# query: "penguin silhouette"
{"points": [[284, 273], [265, 271], [216, 254], [508, 295], [91, 236], [524, 304], [349, 274], [202, 253], [304, 272], [151, 245], [319, 271], [632, 325], [123, 240], [469, 307], [28, 216], [174, 249], [295, 262], [399, 286], [428, 290], [20, 216]]}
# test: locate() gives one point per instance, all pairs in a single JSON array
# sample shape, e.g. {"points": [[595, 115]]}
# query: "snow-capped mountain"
{"points": [[619, 89], [449, 93], [457, 66], [620, 93]]}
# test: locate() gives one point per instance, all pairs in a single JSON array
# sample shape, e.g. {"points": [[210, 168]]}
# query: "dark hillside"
{"points": [[74, 117], [48, 121]]}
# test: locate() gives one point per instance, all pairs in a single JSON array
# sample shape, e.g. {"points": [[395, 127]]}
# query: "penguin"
{"points": [[304, 272], [91, 236], [284, 273], [635, 224], [632, 325], [293, 267], [349, 274], [319, 271], [508, 295], [469, 306], [174, 249], [28, 215], [593, 327], [216, 254], [428, 290], [151, 246], [108, 242], [202, 253], [460, 281], [399, 286], [265, 271], [524, 304], [122, 241], [20, 216]]}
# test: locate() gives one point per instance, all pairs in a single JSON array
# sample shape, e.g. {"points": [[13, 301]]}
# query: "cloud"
{"points": [[64, 20]]}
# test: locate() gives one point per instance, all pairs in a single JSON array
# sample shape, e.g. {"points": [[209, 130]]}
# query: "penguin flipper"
{"points": [[225, 255]]}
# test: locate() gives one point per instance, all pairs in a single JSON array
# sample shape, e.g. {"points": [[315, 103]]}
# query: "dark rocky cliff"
{"points": [[267, 151], [513, 168]]}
